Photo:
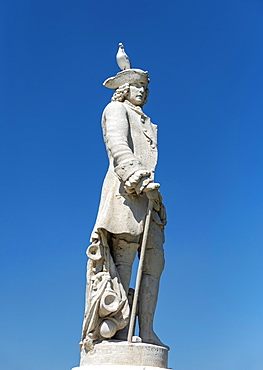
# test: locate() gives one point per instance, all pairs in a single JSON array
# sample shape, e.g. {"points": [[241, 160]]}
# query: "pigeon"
{"points": [[122, 58]]}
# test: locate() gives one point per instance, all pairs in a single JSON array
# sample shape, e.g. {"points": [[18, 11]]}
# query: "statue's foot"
{"points": [[153, 339]]}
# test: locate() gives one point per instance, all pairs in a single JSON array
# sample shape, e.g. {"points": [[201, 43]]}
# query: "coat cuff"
{"points": [[125, 170]]}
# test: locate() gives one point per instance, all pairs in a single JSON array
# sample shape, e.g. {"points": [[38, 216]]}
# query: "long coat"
{"points": [[131, 143]]}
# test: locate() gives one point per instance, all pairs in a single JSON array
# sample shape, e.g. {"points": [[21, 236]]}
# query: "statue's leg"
{"points": [[152, 270], [123, 250]]}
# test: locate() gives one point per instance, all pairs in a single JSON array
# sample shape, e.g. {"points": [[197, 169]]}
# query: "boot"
{"points": [[147, 303], [123, 333], [123, 254]]}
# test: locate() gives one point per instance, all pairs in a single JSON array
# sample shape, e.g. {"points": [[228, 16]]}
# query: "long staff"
{"points": [[140, 267]]}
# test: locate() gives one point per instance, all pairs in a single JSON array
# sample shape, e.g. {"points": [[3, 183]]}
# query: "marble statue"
{"points": [[131, 143]]}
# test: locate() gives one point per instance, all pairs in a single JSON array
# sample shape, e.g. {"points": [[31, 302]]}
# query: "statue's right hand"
{"points": [[137, 182]]}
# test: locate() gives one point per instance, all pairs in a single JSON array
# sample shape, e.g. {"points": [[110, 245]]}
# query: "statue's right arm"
{"points": [[116, 133]]}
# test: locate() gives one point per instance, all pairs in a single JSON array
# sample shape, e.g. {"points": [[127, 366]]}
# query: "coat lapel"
{"points": [[150, 131]]}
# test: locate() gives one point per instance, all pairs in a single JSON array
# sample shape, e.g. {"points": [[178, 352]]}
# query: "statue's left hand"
{"points": [[152, 191]]}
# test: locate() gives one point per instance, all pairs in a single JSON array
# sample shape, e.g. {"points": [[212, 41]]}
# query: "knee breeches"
{"points": [[125, 246]]}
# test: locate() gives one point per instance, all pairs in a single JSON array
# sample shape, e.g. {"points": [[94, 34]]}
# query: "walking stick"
{"points": [[150, 188]]}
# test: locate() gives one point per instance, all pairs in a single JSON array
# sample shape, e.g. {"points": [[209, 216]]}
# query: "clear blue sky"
{"points": [[205, 60]]}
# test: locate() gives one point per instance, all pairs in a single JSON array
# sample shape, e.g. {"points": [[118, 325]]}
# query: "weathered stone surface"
{"points": [[116, 367], [131, 220], [124, 353]]}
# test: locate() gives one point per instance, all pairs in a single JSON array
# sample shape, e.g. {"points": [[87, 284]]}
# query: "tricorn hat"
{"points": [[129, 76]]}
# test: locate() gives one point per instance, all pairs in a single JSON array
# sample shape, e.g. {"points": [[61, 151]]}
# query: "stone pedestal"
{"points": [[116, 367], [118, 355]]}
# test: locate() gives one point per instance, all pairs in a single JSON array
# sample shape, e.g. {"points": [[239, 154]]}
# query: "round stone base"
{"points": [[123, 353], [116, 367]]}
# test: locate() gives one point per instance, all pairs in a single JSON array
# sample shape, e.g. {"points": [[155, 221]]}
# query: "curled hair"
{"points": [[122, 93]]}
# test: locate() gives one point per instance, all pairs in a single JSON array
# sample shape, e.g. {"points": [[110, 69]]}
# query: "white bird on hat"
{"points": [[122, 58]]}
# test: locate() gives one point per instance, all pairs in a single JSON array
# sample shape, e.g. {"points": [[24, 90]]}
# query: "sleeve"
{"points": [[116, 129]]}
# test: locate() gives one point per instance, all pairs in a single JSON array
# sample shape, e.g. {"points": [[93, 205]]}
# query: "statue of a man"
{"points": [[131, 142]]}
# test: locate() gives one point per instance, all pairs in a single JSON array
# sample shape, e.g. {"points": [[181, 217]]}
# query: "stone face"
{"points": [[131, 219]]}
